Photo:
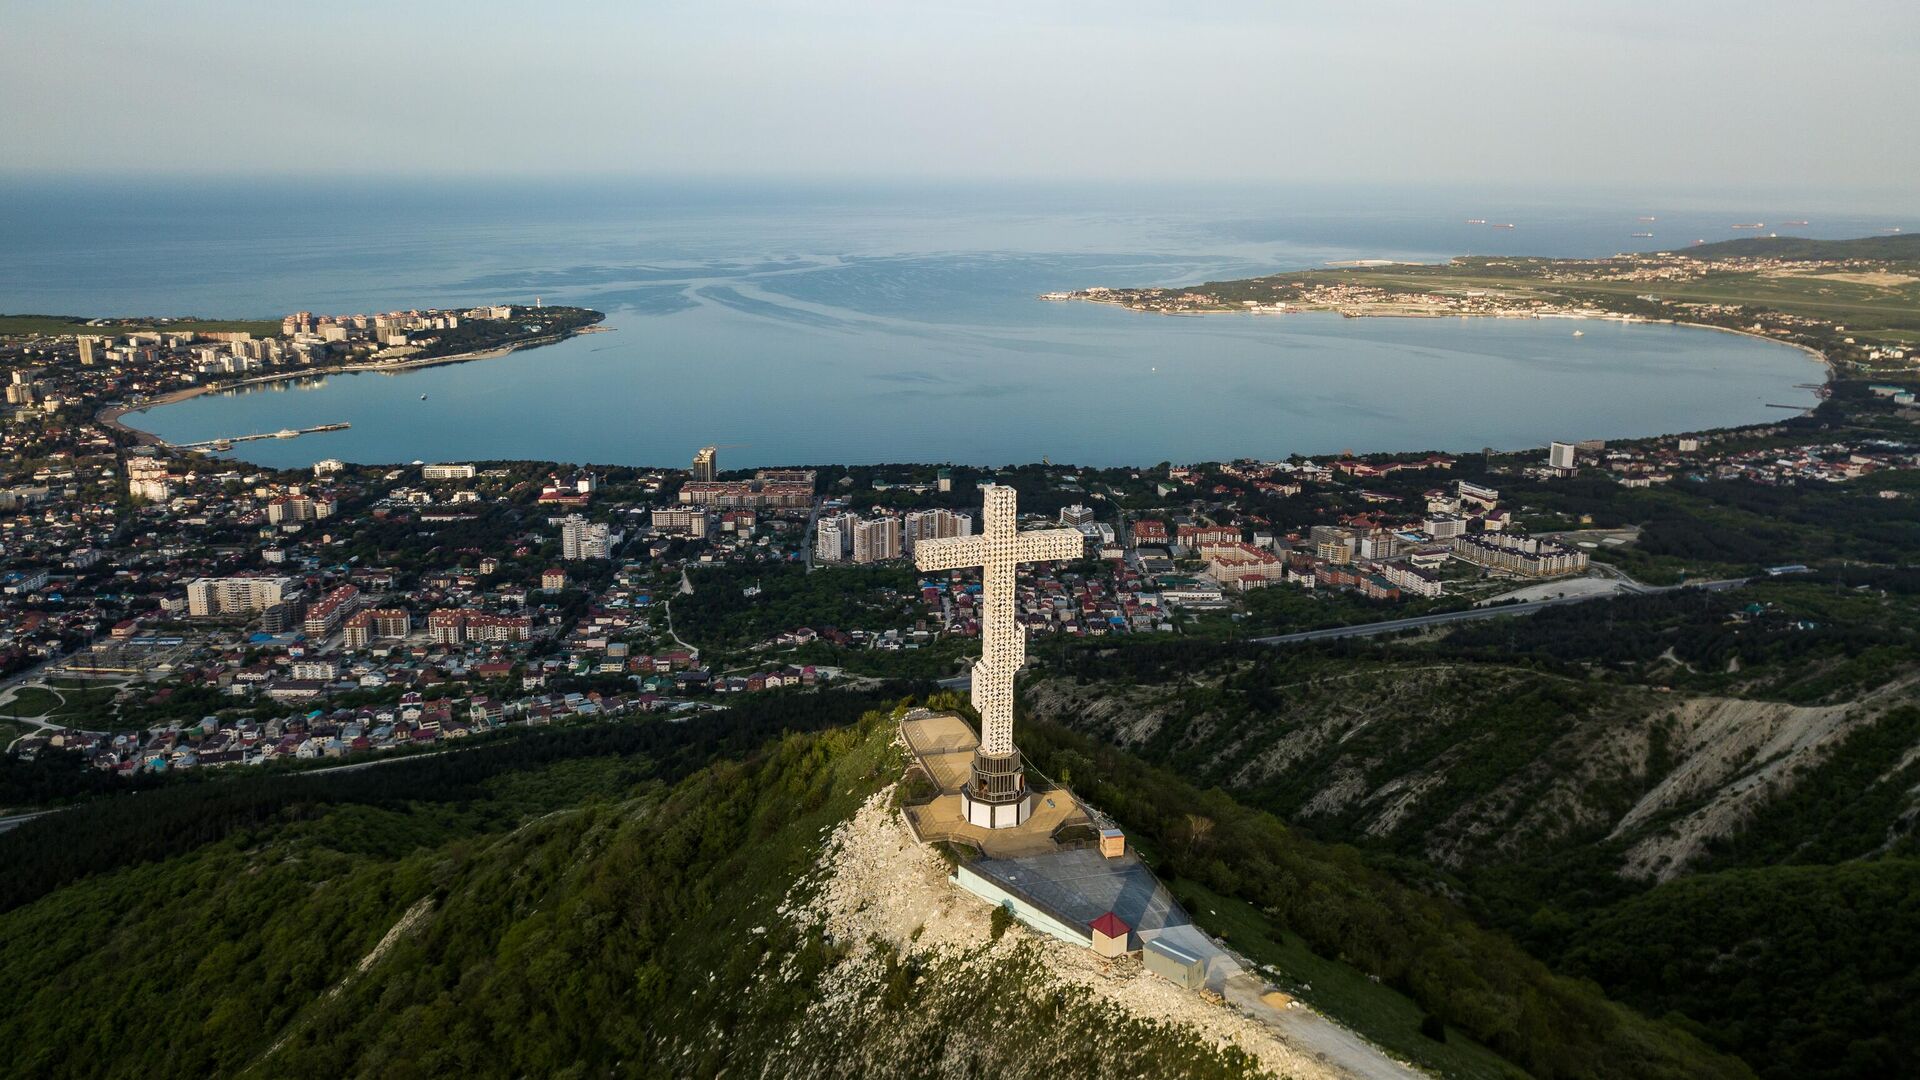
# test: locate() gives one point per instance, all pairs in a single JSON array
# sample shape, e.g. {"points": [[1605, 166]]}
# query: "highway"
{"points": [[1421, 622], [17, 820]]}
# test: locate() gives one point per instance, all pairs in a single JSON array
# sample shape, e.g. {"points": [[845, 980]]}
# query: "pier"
{"points": [[284, 433]]}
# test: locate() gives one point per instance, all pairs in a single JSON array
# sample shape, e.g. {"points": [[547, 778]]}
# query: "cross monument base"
{"points": [[997, 796]]}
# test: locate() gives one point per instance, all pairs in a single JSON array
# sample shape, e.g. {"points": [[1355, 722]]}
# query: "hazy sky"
{"points": [[1814, 96]]}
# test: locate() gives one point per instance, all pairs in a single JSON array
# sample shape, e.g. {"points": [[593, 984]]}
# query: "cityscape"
{"points": [[626, 541]]}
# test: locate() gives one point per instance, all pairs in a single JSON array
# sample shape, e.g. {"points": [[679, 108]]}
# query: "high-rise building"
{"points": [[1076, 515], [833, 537], [876, 539], [933, 525], [706, 464], [583, 539], [234, 595], [88, 357], [1561, 455]]}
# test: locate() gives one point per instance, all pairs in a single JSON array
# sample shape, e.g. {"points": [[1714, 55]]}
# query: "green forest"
{"points": [[581, 894], [1793, 941]]}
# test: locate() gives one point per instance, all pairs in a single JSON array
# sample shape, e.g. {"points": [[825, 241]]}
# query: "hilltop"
{"points": [[681, 899], [1900, 248]]}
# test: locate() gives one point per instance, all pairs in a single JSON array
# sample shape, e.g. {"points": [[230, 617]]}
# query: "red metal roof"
{"points": [[1110, 925]]}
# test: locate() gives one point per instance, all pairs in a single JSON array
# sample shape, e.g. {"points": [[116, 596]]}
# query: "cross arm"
{"points": [[1046, 545], [950, 553]]}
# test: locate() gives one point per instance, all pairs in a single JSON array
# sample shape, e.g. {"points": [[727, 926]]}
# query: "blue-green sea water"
{"points": [[814, 324]]}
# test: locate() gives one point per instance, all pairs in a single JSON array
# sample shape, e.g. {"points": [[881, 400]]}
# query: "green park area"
{"points": [[69, 701]]}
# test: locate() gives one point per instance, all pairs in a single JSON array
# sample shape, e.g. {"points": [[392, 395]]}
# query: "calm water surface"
{"points": [[894, 325]]}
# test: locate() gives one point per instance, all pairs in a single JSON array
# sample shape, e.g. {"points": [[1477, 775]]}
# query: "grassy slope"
{"points": [[1559, 894], [1811, 970], [581, 918], [1904, 248], [1332, 899], [585, 908], [1385, 1015]]}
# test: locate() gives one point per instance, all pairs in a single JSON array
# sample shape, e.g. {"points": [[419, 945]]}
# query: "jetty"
{"points": [[226, 443]]}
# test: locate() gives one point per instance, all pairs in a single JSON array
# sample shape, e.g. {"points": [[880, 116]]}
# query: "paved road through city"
{"points": [[1421, 622]]}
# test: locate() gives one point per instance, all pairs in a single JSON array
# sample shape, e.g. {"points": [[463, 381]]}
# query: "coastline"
{"points": [[1819, 357], [1826, 363], [113, 416]]}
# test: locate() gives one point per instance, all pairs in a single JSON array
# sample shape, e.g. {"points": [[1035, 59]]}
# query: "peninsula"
{"points": [[1855, 303], [134, 364]]}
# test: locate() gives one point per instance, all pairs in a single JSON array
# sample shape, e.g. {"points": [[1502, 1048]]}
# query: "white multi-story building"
{"points": [[1076, 515], [153, 487], [583, 539], [1524, 555], [1561, 455], [1412, 579], [313, 669], [1485, 497], [1378, 545], [833, 538], [447, 472], [234, 595]]}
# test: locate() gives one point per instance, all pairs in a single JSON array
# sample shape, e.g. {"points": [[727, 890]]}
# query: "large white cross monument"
{"points": [[997, 796]]}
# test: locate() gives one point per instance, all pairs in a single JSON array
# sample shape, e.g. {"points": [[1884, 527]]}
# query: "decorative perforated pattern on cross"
{"points": [[999, 551]]}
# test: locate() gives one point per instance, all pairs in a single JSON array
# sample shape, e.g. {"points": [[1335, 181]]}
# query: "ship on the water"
{"points": [[1643, 235]]}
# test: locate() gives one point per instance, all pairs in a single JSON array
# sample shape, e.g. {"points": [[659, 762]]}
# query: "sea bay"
{"points": [[817, 326]]}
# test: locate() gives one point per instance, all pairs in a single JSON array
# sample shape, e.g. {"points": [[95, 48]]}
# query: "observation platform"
{"points": [[943, 745]]}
